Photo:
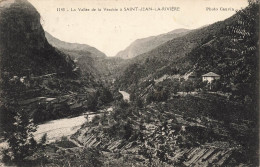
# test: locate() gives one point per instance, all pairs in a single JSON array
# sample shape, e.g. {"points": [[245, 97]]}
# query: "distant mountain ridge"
{"points": [[73, 46], [89, 59], [144, 45]]}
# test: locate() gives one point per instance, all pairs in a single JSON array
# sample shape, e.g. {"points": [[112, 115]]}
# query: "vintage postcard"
{"points": [[129, 83]]}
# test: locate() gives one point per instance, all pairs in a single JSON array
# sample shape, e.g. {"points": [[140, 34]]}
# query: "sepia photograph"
{"points": [[129, 83]]}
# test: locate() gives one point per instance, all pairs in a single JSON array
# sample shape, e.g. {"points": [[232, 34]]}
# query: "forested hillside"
{"points": [[144, 45], [174, 120], [227, 48]]}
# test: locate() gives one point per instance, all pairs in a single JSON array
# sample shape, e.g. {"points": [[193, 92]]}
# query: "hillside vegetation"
{"points": [[172, 120], [228, 48], [144, 45], [172, 117]]}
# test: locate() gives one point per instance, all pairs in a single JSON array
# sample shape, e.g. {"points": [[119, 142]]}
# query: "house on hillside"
{"points": [[210, 77]]}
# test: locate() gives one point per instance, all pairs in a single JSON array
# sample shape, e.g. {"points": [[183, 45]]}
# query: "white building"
{"points": [[210, 77]]}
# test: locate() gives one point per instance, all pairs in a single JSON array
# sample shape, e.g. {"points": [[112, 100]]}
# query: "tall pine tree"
{"points": [[16, 123]]}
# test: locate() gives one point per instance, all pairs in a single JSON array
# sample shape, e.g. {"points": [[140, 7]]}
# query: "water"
{"points": [[61, 127]]}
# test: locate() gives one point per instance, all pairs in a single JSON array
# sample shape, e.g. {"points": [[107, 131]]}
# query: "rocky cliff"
{"points": [[24, 48]]}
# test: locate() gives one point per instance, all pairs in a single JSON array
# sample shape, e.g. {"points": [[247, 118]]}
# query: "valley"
{"points": [[182, 98], [65, 127]]}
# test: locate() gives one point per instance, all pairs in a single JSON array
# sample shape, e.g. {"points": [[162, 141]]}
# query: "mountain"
{"points": [[158, 82], [166, 121], [144, 45], [36, 76], [211, 48], [89, 59], [75, 47], [24, 48]]}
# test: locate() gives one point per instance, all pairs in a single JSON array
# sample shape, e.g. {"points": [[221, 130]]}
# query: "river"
{"points": [[61, 127], [56, 129]]}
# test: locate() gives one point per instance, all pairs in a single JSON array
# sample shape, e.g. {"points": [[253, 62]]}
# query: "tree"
{"points": [[199, 84], [18, 131], [132, 96], [92, 102], [176, 86], [88, 157], [40, 113], [139, 102], [17, 125], [150, 97], [105, 96], [243, 46], [187, 86], [216, 85], [128, 130]]}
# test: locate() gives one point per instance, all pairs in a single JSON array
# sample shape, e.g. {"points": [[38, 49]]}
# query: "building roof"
{"points": [[211, 74]]}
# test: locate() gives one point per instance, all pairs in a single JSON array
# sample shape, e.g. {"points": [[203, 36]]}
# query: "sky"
{"points": [[112, 31]]}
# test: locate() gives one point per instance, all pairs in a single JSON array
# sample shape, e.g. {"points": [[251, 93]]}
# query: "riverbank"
{"points": [[56, 129]]}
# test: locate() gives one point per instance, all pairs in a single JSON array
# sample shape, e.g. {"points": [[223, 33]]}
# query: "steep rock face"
{"points": [[143, 45], [24, 48], [34, 74]]}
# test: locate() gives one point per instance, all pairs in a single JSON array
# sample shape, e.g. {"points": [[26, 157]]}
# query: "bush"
{"points": [[187, 86], [105, 96], [88, 157], [96, 119], [158, 95], [92, 103], [139, 103], [66, 144]]}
